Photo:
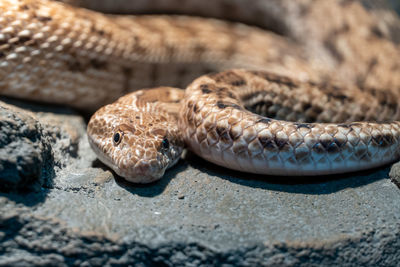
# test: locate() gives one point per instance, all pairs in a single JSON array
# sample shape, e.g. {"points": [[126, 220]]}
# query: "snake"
{"points": [[252, 103]]}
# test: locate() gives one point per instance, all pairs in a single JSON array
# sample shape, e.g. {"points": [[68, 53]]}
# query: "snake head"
{"points": [[138, 142]]}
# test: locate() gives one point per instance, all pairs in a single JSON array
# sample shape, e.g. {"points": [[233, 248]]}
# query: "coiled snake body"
{"points": [[52, 52]]}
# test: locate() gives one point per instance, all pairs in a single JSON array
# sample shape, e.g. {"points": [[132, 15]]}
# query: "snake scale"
{"points": [[267, 112]]}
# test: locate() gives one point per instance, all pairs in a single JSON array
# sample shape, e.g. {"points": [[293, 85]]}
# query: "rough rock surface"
{"points": [[198, 214], [34, 146], [25, 156]]}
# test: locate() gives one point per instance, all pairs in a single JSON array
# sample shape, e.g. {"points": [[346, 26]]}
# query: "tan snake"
{"points": [[55, 53]]}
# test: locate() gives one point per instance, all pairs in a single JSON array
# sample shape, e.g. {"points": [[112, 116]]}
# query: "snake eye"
{"points": [[165, 143], [117, 138]]}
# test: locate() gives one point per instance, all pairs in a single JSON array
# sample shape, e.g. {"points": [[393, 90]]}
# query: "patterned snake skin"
{"points": [[52, 52]]}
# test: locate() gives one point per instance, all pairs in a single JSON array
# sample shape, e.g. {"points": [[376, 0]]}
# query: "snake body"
{"points": [[52, 52]]}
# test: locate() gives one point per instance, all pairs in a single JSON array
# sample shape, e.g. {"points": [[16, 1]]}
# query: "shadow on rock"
{"points": [[29, 199], [323, 184], [145, 190]]}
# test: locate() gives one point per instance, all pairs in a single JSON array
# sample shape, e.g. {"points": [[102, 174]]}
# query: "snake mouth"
{"points": [[142, 172]]}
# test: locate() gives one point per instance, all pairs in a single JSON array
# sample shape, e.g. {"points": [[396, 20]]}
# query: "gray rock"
{"points": [[33, 146], [25, 155], [395, 174], [199, 214]]}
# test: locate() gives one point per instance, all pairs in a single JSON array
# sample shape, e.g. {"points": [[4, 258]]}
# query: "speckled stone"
{"points": [[199, 214], [34, 146], [394, 174], [25, 155]]}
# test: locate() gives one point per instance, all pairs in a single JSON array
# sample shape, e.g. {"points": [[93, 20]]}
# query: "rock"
{"points": [[395, 174], [25, 156], [199, 214], [33, 146]]}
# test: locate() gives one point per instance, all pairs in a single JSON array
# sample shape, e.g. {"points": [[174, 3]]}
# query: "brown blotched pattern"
{"points": [[219, 128], [56, 53], [217, 122], [52, 52]]}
